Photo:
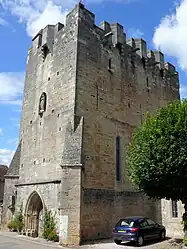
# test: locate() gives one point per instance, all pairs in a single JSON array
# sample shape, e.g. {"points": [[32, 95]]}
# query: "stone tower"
{"points": [[86, 89]]}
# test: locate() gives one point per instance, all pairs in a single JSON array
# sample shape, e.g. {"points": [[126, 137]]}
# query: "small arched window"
{"points": [[42, 103]]}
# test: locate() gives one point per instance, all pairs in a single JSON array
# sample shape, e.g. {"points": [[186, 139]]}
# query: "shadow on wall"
{"points": [[103, 208]]}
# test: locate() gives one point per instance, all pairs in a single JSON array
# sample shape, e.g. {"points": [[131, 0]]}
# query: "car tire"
{"points": [[162, 235], [118, 242], [139, 241]]}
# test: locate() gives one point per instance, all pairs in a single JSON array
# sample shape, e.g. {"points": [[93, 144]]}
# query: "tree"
{"points": [[157, 155]]}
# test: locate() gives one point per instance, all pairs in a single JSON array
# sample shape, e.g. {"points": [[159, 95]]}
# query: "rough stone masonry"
{"points": [[86, 89]]}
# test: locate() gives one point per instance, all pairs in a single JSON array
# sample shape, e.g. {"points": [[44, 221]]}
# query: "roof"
{"points": [[134, 217], [15, 163], [3, 170]]}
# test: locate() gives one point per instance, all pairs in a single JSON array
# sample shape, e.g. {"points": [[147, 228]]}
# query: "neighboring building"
{"points": [[86, 89], [172, 212], [3, 171]]}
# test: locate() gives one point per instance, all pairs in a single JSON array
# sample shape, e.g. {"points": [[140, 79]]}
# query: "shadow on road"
{"points": [[105, 241], [146, 243]]}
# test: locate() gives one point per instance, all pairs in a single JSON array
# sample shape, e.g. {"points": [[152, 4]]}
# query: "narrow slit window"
{"points": [[174, 209], [118, 171], [161, 73], [110, 64]]}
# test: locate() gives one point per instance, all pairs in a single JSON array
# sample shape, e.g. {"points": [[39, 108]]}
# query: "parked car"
{"points": [[137, 229]]}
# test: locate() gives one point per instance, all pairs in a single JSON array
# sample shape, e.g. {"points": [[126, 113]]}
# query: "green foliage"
{"points": [[185, 240], [157, 155], [53, 236], [18, 221], [10, 225], [50, 227]]}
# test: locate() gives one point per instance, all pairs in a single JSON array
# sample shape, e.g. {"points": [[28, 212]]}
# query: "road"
{"points": [[13, 242], [8, 241]]}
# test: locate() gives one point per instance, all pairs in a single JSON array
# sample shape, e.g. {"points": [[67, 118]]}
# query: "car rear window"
{"points": [[126, 223]]}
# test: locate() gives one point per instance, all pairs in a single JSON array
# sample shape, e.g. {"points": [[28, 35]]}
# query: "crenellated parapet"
{"points": [[45, 39], [111, 37]]}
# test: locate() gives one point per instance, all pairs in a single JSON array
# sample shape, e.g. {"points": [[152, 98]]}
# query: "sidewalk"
{"points": [[34, 240]]}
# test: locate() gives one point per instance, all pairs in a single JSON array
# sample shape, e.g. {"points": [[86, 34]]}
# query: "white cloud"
{"points": [[183, 91], [3, 22], [135, 33], [36, 14], [51, 15], [171, 36], [6, 156], [11, 87]]}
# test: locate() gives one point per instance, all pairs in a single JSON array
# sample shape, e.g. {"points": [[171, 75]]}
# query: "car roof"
{"points": [[135, 218]]}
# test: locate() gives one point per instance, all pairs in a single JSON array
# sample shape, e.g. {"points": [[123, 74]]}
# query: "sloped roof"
{"points": [[15, 163], [3, 170]]}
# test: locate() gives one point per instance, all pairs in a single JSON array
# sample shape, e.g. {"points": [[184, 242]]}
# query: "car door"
{"points": [[153, 231], [144, 229]]}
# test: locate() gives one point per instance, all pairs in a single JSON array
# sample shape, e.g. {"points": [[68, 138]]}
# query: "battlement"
{"points": [[111, 35], [45, 37]]}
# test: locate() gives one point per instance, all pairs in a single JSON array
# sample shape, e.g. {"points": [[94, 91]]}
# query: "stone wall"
{"points": [[8, 205], [174, 226], [3, 171], [116, 85], [53, 73], [10, 191], [51, 135], [70, 205], [103, 208], [49, 193], [96, 86]]}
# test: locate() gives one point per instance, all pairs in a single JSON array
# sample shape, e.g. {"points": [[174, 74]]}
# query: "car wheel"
{"points": [[140, 241], [118, 242], [162, 235]]}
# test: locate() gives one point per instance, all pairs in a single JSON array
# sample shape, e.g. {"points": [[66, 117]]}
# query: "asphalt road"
{"points": [[10, 241], [7, 242]]}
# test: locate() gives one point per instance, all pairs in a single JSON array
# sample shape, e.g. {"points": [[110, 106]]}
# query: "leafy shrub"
{"points": [[49, 227], [18, 221], [10, 225], [53, 236], [185, 240]]}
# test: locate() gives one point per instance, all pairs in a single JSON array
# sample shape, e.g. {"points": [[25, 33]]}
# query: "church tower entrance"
{"points": [[34, 215]]}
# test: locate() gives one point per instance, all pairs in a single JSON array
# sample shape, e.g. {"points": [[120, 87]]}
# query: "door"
{"points": [[153, 229], [144, 229]]}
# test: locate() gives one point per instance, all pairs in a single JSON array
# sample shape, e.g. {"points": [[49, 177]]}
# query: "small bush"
{"points": [[18, 221], [53, 236], [10, 225], [185, 240], [49, 227]]}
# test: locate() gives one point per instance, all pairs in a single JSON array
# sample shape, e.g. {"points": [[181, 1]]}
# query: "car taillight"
{"points": [[114, 230], [134, 229]]}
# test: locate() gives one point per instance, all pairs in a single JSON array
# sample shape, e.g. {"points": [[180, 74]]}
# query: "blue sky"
{"points": [[162, 24]]}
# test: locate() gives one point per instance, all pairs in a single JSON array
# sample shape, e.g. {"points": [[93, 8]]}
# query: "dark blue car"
{"points": [[137, 229]]}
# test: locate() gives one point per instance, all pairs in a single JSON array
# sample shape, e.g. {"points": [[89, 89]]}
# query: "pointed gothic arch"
{"points": [[34, 212]]}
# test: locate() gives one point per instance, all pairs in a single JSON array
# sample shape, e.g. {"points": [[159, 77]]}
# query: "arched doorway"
{"points": [[34, 215]]}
